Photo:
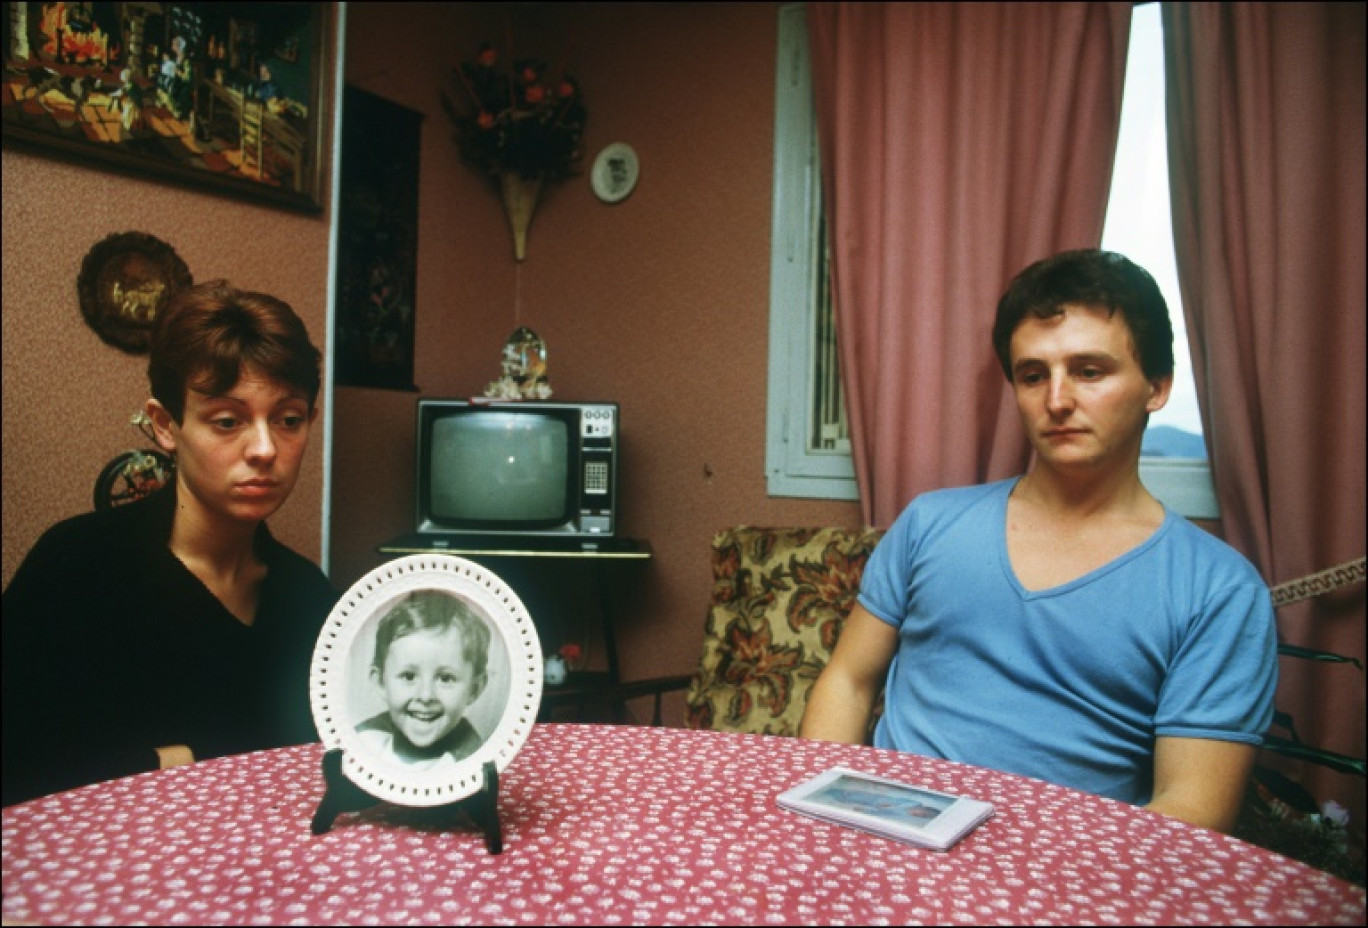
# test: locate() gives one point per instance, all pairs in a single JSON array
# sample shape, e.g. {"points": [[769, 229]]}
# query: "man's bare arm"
{"points": [[1200, 780], [842, 699]]}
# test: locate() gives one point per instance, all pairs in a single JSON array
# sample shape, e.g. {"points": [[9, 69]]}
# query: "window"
{"points": [[1173, 463], [807, 442], [807, 447]]}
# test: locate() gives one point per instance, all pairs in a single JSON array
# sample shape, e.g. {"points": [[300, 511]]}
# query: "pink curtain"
{"points": [[960, 142], [1267, 163]]}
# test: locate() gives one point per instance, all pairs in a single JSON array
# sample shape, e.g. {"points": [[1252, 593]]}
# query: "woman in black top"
{"points": [[177, 627]]}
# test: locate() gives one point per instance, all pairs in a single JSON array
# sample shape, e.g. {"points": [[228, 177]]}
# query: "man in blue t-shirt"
{"points": [[1064, 624]]}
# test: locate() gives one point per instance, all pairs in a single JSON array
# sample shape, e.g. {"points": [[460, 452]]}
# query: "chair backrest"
{"points": [[780, 597]]}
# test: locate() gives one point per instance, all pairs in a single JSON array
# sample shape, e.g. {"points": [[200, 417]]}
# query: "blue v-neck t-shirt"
{"points": [[1071, 684]]}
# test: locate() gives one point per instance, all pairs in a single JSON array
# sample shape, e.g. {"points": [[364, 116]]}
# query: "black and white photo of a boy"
{"points": [[431, 663]]}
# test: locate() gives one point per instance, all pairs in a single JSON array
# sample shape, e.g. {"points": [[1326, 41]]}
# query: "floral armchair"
{"points": [[780, 597]]}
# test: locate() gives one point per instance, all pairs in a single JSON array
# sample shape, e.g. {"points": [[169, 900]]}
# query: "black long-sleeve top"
{"points": [[113, 648]]}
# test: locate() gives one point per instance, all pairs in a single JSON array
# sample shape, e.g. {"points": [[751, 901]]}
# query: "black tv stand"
{"points": [[611, 545], [498, 546]]}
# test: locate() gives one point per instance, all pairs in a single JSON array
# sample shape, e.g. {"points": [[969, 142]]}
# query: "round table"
{"points": [[612, 825]]}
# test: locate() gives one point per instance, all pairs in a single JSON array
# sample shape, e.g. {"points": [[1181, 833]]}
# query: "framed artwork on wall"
{"points": [[223, 95], [377, 242]]}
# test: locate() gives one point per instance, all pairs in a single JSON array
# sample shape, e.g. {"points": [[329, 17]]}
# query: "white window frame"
{"points": [[792, 466]]}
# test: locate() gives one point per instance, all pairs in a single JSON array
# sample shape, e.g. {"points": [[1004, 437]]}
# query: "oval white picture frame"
{"points": [[343, 693], [615, 172]]}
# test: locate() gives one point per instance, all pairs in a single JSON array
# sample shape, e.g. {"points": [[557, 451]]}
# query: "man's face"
{"points": [[1082, 395], [237, 454], [429, 682]]}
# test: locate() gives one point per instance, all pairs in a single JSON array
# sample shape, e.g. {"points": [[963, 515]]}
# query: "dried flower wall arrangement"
{"points": [[520, 125], [522, 117]]}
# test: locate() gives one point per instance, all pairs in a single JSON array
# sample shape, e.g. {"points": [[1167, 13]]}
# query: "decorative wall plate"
{"points": [[133, 475], [124, 282], [394, 724], [615, 172]]}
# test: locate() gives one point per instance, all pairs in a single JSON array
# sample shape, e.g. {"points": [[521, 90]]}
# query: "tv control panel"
{"points": [[598, 422], [598, 435], [596, 477]]}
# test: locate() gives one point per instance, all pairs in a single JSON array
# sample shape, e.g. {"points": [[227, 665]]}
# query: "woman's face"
{"points": [[238, 453]]}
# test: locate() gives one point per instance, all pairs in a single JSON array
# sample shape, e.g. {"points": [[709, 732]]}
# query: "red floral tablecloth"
{"points": [[613, 825]]}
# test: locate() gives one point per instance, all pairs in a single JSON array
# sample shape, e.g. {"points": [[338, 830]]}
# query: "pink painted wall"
{"points": [[67, 396], [659, 302]]}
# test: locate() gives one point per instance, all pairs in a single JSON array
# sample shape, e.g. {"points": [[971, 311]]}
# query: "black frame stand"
{"points": [[342, 795]]}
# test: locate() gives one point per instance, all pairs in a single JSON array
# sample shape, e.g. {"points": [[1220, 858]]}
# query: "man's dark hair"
{"points": [[207, 334], [1090, 277]]}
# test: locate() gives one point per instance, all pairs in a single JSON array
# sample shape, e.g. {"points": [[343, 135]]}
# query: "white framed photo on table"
{"points": [[428, 668]]}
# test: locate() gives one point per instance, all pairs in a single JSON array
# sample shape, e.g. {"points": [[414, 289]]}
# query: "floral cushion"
{"points": [[780, 597]]}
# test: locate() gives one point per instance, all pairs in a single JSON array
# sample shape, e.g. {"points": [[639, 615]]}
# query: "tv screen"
{"points": [[500, 467]]}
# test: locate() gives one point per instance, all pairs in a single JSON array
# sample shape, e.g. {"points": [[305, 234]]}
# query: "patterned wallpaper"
{"points": [[659, 302], [67, 396]]}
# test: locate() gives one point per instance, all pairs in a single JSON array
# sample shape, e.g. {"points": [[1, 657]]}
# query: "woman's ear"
{"points": [[161, 425]]}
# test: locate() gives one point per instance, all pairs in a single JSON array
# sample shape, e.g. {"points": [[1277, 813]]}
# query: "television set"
{"points": [[507, 471]]}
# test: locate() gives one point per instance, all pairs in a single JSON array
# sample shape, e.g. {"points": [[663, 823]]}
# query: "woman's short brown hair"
{"points": [[207, 334]]}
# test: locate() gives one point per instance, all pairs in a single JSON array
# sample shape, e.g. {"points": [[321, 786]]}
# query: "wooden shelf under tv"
{"points": [[625, 549]]}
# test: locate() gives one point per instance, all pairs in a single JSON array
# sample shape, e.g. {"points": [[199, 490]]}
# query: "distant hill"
{"points": [[1165, 441]]}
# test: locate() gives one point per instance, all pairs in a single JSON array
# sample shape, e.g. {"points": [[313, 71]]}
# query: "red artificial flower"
{"points": [[570, 651], [536, 93], [488, 55]]}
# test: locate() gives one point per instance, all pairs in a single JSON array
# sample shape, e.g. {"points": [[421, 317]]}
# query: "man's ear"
{"points": [[376, 677], [161, 425], [1160, 390]]}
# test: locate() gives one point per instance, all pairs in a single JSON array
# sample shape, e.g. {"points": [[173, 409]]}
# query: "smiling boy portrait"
{"points": [[431, 664]]}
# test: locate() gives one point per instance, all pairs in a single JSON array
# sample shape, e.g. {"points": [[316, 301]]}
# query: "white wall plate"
{"points": [[615, 172]]}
